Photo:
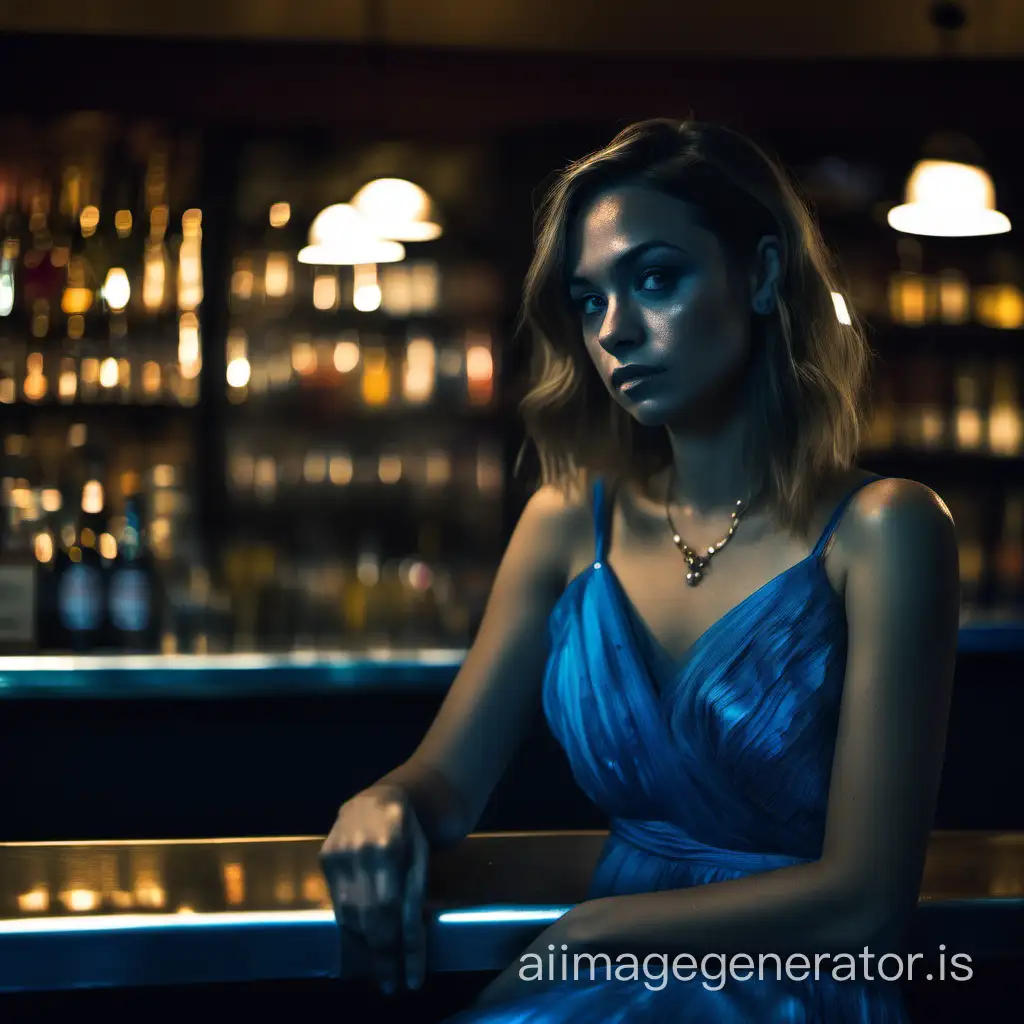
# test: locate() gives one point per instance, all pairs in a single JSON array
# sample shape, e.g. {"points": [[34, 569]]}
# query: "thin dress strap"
{"points": [[602, 526], [826, 536]]}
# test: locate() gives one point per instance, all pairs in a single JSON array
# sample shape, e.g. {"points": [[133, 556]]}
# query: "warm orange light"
{"points": [[479, 369], [280, 214], [376, 382], [234, 884]]}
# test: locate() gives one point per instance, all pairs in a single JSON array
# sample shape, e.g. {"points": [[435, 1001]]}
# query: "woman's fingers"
{"points": [[375, 862], [379, 907], [414, 932]]}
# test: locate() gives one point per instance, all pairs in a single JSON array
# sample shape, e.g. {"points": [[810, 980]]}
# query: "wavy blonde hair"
{"points": [[806, 381]]}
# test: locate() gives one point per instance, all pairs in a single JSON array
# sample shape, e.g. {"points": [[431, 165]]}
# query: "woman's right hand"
{"points": [[375, 861]]}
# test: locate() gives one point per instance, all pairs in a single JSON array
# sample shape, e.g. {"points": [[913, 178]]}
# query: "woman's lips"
{"points": [[627, 377]]}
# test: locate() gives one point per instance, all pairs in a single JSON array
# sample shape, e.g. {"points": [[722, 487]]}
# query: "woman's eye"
{"points": [[652, 280], [661, 279]]}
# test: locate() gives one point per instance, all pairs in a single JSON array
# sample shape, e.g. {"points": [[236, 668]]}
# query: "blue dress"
{"points": [[710, 768]]}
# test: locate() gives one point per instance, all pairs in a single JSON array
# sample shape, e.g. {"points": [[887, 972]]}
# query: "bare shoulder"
{"points": [[557, 509], [552, 525], [905, 526], [891, 508]]}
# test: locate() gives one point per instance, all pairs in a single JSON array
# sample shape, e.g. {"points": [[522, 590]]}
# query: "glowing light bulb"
{"points": [[397, 209], [341, 236], [947, 199]]}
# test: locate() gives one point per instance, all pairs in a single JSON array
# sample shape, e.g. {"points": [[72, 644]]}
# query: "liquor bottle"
{"points": [[134, 593], [420, 368], [969, 417], [954, 297], [1005, 426], [451, 389], [935, 403], [912, 295], [47, 545], [921, 416], [10, 252], [999, 303], [479, 367], [81, 578], [376, 377], [19, 581]]}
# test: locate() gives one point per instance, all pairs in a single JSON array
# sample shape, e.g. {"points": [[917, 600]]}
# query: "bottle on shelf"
{"points": [[247, 569], [479, 367], [47, 542], [279, 277], [999, 303], [19, 572], [912, 294], [376, 383], [134, 592], [369, 573], [922, 416], [419, 375], [935, 405], [1005, 421], [122, 290], [954, 297], [970, 419], [80, 577], [452, 382]]}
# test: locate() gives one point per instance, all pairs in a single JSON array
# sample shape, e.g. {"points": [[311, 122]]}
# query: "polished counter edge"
{"points": [[228, 675], [239, 675], [190, 949], [991, 638], [487, 899]]}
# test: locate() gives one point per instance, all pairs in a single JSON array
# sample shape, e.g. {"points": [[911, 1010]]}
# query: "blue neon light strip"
{"points": [[252, 919]]}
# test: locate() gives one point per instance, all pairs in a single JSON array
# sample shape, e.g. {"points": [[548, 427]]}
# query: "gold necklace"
{"points": [[698, 563]]}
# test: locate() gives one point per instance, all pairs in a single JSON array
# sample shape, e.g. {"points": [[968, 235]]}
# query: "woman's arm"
{"points": [[449, 778], [902, 601]]}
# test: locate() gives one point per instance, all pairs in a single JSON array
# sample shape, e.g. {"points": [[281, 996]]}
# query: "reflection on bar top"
{"points": [[158, 675], [239, 662], [41, 880], [423, 669]]}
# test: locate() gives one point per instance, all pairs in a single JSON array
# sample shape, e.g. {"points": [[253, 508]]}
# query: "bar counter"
{"points": [[116, 676], [420, 669], [126, 914], [270, 744]]}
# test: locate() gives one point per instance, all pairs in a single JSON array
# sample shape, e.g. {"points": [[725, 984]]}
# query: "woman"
{"points": [[744, 642]]}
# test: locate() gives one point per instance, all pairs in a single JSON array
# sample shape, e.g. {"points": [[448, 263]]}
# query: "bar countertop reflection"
{"points": [[241, 674], [178, 912], [229, 675]]}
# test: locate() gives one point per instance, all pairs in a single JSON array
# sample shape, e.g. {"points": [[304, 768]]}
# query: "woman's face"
{"points": [[662, 317]]}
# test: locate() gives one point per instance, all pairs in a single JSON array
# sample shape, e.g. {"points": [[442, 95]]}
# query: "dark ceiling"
{"points": [[761, 28]]}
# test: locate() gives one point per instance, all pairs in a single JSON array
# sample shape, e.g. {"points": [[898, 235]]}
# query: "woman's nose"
{"points": [[620, 327]]}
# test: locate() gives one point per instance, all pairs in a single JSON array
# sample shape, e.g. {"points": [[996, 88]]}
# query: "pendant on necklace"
{"points": [[698, 563], [696, 573]]}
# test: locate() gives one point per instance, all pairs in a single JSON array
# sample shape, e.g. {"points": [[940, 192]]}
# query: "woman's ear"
{"points": [[766, 277]]}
